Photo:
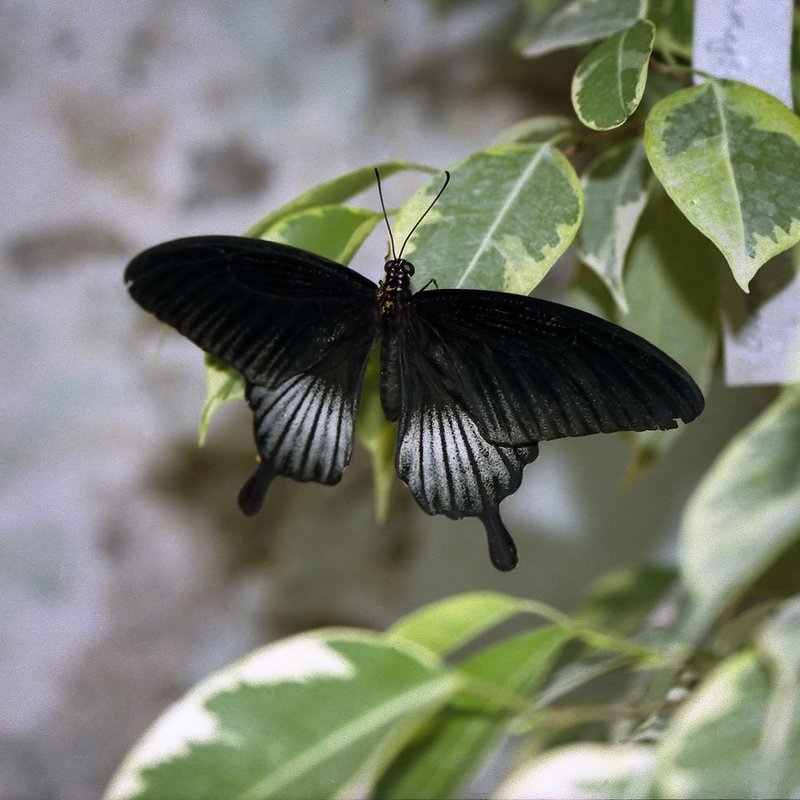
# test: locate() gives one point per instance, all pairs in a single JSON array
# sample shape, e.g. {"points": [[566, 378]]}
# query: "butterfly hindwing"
{"points": [[304, 427], [529, 370], [444, 459]]}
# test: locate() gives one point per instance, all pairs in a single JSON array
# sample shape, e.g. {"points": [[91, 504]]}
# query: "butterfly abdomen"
{"points": [[393, 297]]}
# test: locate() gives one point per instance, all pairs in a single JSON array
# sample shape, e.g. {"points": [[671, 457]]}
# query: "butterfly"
{"points": [[474, 379]]}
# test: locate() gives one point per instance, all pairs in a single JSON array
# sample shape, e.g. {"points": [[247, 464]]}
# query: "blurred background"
{"points": [[127, 571]]}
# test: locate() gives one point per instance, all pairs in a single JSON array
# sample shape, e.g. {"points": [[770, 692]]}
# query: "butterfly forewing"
{"points": [[268, 310], [527, 370]]}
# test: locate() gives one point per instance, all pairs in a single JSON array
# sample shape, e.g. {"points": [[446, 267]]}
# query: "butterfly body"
{"points": [[474, 379], [393, 298]]}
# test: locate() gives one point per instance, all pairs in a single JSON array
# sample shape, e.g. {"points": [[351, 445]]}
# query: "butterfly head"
{"points": [[398, 273]]}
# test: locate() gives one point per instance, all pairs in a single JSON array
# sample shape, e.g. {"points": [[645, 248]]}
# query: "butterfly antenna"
{"points": [[385, 216], [425, 214]]}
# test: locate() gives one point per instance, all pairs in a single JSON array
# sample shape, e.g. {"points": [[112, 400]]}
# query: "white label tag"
{"points": [[762, 328], [745, 40], [750, 41]]}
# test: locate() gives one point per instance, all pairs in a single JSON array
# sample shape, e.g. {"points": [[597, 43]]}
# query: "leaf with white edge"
{"points": [[616, 186], [715, 745], [608, 84], [507, 215], [779, 644], [316, 715], [555, 26], [331, 192], [447, 752], [729, 156], [451, 623], [744, 513], [333, 231], [590, 771]]}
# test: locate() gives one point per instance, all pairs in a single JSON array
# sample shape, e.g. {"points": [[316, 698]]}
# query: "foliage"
{"points": [[674, 177]]}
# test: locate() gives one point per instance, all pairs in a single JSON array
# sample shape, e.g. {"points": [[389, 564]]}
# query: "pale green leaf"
{"points": [[330, 192], [333, 231], [729, 156], [616, 188], [591, 771], [779, 643], [542, 129], [555, 26], [449, 751], [745, 512], [715, 745], [507, 215], [449, 624], [223, 385], [377, 435], [316, 715], [608, 84]]}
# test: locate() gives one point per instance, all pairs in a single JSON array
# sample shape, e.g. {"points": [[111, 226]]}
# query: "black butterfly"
{"points": [[475, 379]]}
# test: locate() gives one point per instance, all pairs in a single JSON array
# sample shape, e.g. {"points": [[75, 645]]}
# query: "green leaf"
{"points": [[714, 747], [445, 626], [506, 217], [316, 715], [673, 302], [616, 187], [378, 436], [448, 751], [674, 21], [729, 156], [610, 81], [601, 771], [331, 192], [620, 600], [745, 512], [555, 26], [448, 624]]}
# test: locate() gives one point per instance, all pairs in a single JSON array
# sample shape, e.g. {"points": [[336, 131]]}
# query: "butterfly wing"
{"points": [[442, 456], [485, 376], [528, 370], [297, 326]]}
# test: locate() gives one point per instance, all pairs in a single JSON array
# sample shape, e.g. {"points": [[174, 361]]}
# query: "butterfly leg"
{"points": [[251, 496], [502, 550]]}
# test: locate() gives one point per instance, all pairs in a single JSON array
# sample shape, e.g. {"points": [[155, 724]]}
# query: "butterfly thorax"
{"points": [[395, 289], [393, 294]]}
